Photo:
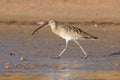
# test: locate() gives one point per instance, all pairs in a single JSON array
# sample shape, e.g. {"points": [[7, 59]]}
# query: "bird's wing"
{"points": [[82, 33]]}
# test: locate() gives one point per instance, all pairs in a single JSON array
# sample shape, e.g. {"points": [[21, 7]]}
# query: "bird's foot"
{"points": [[56, 57], [85, 57]]}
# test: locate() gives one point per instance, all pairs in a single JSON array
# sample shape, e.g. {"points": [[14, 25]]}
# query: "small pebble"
{"points": [[116, 64], [22, 59], [96, 25], [60, 67], [7, 66], [10, 53]]}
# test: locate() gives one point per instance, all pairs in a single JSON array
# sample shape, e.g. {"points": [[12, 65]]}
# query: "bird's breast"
{"points": [[63, 34]]}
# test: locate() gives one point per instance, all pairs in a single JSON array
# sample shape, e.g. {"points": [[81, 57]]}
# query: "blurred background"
{"points": [[20, 52], [60, 10]]}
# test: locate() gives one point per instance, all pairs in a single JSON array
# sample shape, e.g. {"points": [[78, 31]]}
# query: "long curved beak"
{"points": [[41, 25]]}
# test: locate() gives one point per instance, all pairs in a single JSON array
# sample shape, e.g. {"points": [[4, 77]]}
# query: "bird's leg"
{"points": [[82, 49], [63, 49]]}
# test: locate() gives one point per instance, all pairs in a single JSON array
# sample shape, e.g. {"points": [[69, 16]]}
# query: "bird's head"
{"points": [[52, 23]]}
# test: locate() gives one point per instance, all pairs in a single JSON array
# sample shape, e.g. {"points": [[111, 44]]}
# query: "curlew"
{"points": [[68, 32]]}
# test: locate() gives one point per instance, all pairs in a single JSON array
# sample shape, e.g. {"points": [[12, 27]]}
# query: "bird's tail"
{"points": [[89, 36], [93, 38]]}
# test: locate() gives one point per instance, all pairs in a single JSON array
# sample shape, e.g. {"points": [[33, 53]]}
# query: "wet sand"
{"points": [[64, 75], [22, 54]]}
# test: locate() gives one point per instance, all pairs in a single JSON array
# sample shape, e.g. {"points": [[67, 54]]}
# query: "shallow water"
{"points": [[23, 56]]}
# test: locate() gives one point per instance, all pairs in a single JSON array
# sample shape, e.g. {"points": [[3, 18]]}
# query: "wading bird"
{"points": [[67, 32]]}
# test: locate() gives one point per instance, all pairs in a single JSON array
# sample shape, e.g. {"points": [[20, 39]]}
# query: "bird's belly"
{"points": [[67, 36]]}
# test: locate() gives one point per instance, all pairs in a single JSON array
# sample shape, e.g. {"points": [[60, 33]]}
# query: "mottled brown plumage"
{"points": [[68, 32]]}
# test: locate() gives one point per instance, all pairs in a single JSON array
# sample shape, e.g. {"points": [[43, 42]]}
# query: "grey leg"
{"points": [[63, 49], [81, 48]]}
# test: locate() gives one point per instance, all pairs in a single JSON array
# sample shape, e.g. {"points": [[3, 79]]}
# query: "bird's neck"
{"points": [[53, 27]]}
